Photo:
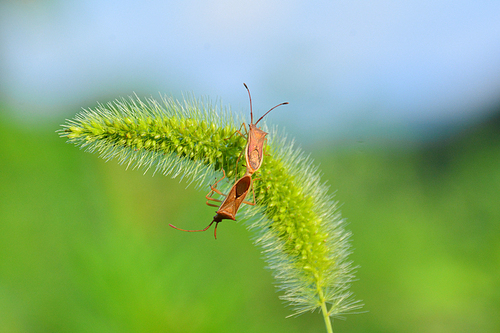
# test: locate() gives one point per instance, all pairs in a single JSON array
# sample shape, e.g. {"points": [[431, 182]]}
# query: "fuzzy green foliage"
{"points": [[296, 221], [182, 139]]}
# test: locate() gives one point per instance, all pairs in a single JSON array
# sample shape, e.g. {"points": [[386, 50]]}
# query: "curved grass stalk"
{"points": [[295, 221]]}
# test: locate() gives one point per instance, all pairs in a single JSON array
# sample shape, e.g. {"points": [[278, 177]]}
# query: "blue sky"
{"points": [[347, 68]]}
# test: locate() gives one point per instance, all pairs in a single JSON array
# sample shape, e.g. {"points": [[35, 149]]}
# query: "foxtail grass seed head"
{"points": [[179, 139], [296, 221]]}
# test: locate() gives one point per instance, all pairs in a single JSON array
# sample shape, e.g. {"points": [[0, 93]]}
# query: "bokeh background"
{"points": [[397, 101]]}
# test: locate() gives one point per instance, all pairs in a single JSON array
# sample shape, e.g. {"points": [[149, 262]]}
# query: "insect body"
{"points": [[230, 205], [254, 150]]}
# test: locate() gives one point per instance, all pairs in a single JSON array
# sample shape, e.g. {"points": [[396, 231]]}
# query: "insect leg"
{"points": [[239, 132], [253, 192]]}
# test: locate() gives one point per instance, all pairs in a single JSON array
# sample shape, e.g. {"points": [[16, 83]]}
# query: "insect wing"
{"points": [[255, 147], [235, 198]]}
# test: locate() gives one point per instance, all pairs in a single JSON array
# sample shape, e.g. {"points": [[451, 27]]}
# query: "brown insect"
{"points": [[254, 150], [230, 205]]}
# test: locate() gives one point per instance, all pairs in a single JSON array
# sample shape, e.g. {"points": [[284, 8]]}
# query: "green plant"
{"points": [[296, 221]]}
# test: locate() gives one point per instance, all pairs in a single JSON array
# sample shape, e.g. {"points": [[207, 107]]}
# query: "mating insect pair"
{"points": [[254, 153]]}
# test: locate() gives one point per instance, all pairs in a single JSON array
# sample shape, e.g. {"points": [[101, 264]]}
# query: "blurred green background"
{"points": [[85, 245], [397, 101]]}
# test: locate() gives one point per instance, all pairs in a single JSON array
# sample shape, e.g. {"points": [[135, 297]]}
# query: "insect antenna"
{"points": [[284, 103], [208, 226], [249, 97], [251, 111]]}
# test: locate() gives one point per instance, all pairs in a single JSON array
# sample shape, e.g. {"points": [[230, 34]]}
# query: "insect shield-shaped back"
{"points": [[234, 199], [229, 207], [255, 148], [254, 151]]}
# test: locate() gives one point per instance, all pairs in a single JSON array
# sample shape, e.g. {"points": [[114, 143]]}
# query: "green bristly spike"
{"points": [[295, 220]]}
